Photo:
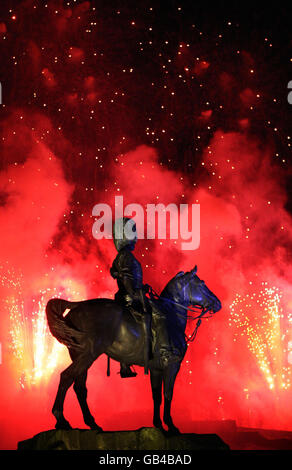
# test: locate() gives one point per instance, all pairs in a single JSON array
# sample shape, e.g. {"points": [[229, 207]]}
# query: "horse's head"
{"points": [[199, 293], [188, 289]]}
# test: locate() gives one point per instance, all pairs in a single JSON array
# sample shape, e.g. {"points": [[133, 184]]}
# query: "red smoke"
{"points": [[79, 86], [245, 239]]}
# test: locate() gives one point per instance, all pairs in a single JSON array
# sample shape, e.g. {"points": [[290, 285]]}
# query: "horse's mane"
{"points": [[174, 326], [170, 286]]}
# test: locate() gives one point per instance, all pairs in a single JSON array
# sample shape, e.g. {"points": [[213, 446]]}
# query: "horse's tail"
{"points": [[65, 334]]}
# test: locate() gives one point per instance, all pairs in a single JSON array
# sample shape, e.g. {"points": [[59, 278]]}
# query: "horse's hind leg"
{"points": [[156, 386], [169, 376], [81, 393], [67, 377]]}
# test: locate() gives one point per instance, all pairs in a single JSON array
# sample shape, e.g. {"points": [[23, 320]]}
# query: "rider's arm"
{"points": [[114, 272], [131, 274]]}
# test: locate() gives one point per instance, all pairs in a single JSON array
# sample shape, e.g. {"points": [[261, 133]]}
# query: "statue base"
{"points": [[141, 439]]}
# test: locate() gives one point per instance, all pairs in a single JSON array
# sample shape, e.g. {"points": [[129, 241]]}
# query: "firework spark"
{"points": [[36, 352], [260, 319]]}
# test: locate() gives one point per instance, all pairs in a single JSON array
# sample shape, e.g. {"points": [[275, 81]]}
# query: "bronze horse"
{"points": [[101, 326]]}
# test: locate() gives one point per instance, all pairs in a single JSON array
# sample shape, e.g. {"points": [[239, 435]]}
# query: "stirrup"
{"points": [[127, 372]]}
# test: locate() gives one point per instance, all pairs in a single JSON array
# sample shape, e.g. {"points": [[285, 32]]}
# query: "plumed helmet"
{"points": [[125, 233]]}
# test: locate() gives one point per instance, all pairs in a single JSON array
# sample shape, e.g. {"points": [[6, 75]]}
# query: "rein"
{"points": [[195, 309]]}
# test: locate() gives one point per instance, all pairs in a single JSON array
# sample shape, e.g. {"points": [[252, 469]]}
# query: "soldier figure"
{"points": [[128, 272]]}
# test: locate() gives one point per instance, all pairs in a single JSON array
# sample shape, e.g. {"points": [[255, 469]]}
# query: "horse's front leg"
{"points": [[156, 386], [169, 376]]}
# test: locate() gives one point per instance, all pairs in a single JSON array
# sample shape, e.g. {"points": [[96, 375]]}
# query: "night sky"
{"points": [[172, 102]]}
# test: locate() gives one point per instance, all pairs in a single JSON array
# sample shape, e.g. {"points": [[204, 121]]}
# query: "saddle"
{"points": [[157, 340], [145, 320], [151, 322]]}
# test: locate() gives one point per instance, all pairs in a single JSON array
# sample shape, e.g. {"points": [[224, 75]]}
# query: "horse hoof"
{"points": [[63, 425], [173, 431], [95, 427]]}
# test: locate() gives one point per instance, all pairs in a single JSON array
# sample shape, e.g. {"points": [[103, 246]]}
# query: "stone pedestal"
{"points": [[141, 439]]}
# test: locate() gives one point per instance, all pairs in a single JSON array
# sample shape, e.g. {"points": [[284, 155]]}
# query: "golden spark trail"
{"points": [[36, 352], [258, 318]]}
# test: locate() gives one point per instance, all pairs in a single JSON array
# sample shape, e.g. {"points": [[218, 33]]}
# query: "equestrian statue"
{"points": [[137, 327]]}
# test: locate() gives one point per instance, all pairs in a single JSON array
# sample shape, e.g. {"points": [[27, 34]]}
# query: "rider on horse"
{"points": [[127, 270]]}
